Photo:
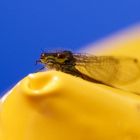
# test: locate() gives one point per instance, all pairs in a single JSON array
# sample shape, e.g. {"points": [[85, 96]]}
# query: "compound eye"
{"points": [[61, 55]]}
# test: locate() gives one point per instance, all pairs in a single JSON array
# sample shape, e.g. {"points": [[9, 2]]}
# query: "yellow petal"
{"points": [[56, 106]]}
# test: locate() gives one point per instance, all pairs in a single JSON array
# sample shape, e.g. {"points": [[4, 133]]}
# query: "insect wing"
{"points": [[115, 71]]}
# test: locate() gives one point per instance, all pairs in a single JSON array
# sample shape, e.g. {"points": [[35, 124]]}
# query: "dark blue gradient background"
{"points": [[27, 26]]}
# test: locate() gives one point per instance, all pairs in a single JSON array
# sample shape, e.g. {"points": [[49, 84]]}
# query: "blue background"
{"points": [[27, 26]]}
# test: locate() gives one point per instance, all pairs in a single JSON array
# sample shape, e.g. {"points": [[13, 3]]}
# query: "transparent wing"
{"points": [[115, 71]]}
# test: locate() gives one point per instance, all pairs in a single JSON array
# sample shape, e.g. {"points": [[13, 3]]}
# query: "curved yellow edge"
{"points": [[56, 106]]}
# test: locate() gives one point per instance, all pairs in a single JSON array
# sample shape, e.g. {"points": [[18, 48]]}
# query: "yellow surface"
{"points": [[57, 106], [124, 45]]}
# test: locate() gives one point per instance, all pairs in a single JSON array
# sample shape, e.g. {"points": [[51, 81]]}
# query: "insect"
{"points": [[109, 70]]}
